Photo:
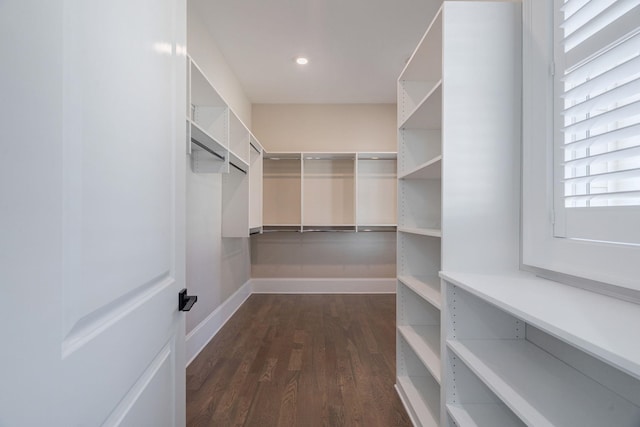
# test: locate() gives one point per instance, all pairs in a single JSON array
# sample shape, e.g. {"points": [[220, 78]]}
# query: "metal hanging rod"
{"points": [[238, 167], [254, 147], [207, 149]]}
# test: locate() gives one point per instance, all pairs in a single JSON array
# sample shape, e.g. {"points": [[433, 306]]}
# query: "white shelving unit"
{"points": [[552, 355], [207, 119], [338, 192], [282, 195], [376, 191], [513, 349], [328, 190], [457, 106], [221, 143], [419, 167]]}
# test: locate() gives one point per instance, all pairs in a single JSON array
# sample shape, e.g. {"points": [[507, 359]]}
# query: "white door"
{"points": [[92, 206]]}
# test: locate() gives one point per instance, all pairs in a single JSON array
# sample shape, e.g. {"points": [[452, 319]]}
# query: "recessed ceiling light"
{"points": [[301, 60]]}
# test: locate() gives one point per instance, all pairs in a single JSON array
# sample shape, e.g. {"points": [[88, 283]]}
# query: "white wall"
{"points": [[216, 267], [324, 255], [324, 127], [205, 52]]}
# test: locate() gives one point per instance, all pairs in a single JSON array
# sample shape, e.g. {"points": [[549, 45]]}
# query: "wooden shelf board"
{"points": [[426, 287], [532, 383], [591, 322], [432, 232], [431, 169], [425, 342], [483, 415], [412, 397], [428, 113]]}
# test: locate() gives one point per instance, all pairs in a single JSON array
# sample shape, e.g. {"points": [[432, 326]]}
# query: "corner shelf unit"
{"points": [[329, 192], [452, 100], [221, 143]]}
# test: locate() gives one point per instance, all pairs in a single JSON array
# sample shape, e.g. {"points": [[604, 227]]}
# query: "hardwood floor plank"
{"points": [[300, 361]]}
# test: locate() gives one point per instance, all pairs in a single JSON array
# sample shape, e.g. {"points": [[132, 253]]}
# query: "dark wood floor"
{"points": [[300, 360]]}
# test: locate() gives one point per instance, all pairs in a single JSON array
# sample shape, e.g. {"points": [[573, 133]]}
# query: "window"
{"points": [[597, 94], [581, 140]]}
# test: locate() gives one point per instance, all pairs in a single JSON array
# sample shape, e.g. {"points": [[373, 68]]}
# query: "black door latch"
{"points": [[185, 302]]}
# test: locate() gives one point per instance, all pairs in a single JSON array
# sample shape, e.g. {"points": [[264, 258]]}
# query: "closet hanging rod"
{"points": [[207, 149], [238, 167], [254, 147]]}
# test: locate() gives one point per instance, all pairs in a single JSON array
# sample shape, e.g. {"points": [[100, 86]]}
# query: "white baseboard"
{"points": [[200, 336], [323, 286]]}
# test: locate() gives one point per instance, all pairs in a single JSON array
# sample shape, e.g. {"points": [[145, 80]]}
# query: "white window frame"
{"points": [[611, 264]]}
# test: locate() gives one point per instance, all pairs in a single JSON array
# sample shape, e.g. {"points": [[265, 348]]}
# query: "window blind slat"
{"points": [[599, 82], [604, 157], [604, 119], [613, 195], [573, 6], [605, 99], [625, 25], [604, 138], [627, 49], [615, 175], [592, 18]]}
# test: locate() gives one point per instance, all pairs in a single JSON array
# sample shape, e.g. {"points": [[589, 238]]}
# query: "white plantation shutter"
{"points": [[597, 81]]}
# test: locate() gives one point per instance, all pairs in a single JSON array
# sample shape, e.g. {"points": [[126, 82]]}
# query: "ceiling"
{"points": [[356, 48]]}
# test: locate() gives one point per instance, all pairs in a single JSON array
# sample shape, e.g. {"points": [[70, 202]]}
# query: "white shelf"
{"points": [[328, 156], [203, 137], [221, 143], [236, 160], [432, 232], [383, 155], [329, 228], [428, 113], [275, 156], [415, 392], [427, 287], [456, 102], [425, 342], [431, 169], [483, 415], [586, 320], [540, 389], [331, 191]]}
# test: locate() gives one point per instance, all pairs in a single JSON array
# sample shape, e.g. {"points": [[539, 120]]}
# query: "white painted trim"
{"points": [[200, 336], [323, 285]]}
